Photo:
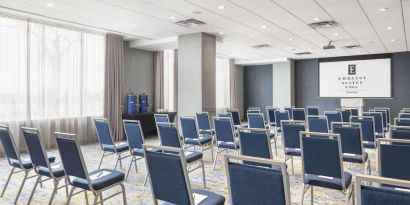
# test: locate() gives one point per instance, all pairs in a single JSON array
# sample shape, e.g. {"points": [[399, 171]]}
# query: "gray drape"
{"points": [[175, 80], [159, 80], [233, 86], [114, 66]]}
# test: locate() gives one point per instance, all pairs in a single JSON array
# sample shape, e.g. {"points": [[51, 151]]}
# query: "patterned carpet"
{"points": [[137, 193]]}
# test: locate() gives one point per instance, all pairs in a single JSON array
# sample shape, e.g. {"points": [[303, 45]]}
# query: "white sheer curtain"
{"points": [[223, 99], [169, 79], [54, 81]]}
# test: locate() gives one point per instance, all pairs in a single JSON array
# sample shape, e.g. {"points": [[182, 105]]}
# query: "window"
{"points": [[222, 84], [169, 76], [57, 73]]}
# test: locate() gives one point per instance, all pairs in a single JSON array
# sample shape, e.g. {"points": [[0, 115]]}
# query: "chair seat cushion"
{"points": [[228, 145], [57, 169], [121, 147], [108, 178], [198, 141], [370, 145], [355, 158], [331, 183], [293, 151], [211, 199], [192, 156], [206, 132], [27, 163]]}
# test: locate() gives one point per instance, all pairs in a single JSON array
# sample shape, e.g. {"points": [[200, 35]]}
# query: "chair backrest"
{"points": [[255, 143], [405, 110], [161, 118], [404, 115], [134, 134], [317, 123], [235, 116], [281, 115], [71, 156], [256, 120], [299, 114], [189, 127], [379, 195], [391, 153], [290, 133], [290, 110], [224, 114], [322, 156], [253, 110], [168, 135], [333, 116], [350, 137], [312, 110], [353, 110], [203, 121], [384, 116], [168, 175], [387, 112], [9, 146], [367, 123], [400, 132], [270, 110], [378, 121], [346, 115], [248, 184], [402, 121], [103, 131], [35, 147], [224, 130]]}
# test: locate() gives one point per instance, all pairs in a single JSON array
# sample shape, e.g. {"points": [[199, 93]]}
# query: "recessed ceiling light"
{"points": [[263, 26], [383, 9], [290, 39], [172, 17], [393, 40], [316, 19], [221, 33], [133, 25], [49, 4], [335, 34], [221, 7], [389, 28]]}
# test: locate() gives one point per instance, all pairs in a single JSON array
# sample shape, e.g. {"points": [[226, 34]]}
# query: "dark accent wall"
{"points": [[258, 87], [307, 85]]}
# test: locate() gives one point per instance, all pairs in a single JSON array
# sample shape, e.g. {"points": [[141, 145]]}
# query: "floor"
{"points": [[137, 193]]}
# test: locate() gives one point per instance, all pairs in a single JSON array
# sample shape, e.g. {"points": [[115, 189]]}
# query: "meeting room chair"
{"points": [[352, 143], [204, 123], [291, 139], [392, 155], [345, 114], [387, 110], [225, 114], [378, 123], [368, 132], [78, 176], [257, 121], [353, 110], [161, 118], [290, 110], [405, 110], [404, 115], [376, 194], [333, 116], [299, 114], [169, 179], [107, 145], [262, 185], [270, 112], [225, 136], [322, 164], [41, 165], [236, 118], [17, 163], [253, 110], [279, 116], [384, 117], [312, 110], [193, 138], [399, 132], [402, 121], [317, 123], [169, 137]]}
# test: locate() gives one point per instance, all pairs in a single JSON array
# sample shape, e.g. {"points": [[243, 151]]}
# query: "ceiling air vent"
{"points": [[352, 46], [324, 24], [190, 22], [261, 46], [303, 53]]}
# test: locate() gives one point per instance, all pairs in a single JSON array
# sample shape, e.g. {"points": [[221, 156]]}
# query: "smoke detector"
{"points": [[190, 22], [324, 24]]}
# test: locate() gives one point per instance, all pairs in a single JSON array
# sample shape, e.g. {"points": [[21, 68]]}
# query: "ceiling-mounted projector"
{"points": [[329, 46]]}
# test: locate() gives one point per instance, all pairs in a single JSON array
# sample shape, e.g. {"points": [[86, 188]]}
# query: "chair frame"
{"points": [[396, 119], [255, 129], [379, 142], [345, 190], [276, 122], [268, 131], [374, 121], [314, 107], [392, 127], [317, 116], [216, 137], [161, 115], [333, 112], [287, 157], [97, 193], [119, 158], [374, 128], [56, 180], [231, 110], [299, 108], [268, 108], [196, 118], [282, 164], [253, 109]]}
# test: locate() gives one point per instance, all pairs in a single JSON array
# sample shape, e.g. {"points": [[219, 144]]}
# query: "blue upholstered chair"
{"points": [[225, 114], [225, 136], [193, 138], [169, 179], [256, 120], [333, 116], [405, 110], [253, 110], [14, 159], [236, 118], [290, 110], [353, 110], [270, 112], [322, 164], [387, 113], [368, 133], [378, 194], [392, 155], [399, 132], [299, 114], [352, 143], [385, 118], [291, 138], [378, 123], [41, 165], [402, 121], [104, 136], [312, 110], [279, 116], [204, 123], [160, 118], [346, 115], [317, 123], [262, 185], [79, 178], [404, 115], [169, 137], [255, 142]]}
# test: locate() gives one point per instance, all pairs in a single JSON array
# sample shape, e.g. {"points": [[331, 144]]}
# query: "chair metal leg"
{"points": [[70, 195], [276, 147], [129, 168], [41, 183], [305, 188], [56, 182], [146, 179], [124, 197], [311, 195], [66, 186], [101, 199], [203, 173], [291, 161], [216, 158], [34, 189], [86, 197], [7, 182], [21, 187], [96, 198], [101, 160]]}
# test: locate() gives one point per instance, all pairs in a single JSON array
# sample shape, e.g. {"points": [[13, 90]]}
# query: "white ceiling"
{"points": [[287, 31]]}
